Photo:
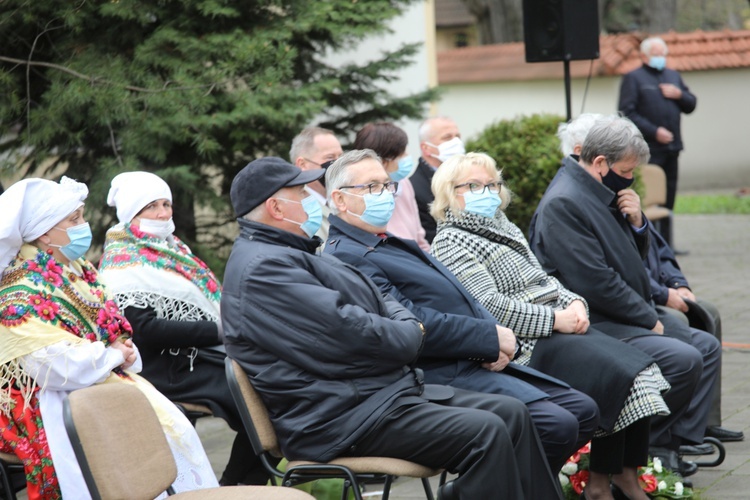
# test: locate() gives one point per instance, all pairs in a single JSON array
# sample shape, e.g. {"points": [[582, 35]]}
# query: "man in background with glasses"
{"points": [[316, 148], [461, 334]]}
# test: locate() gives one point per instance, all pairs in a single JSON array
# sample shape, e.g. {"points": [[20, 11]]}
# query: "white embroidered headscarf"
{"points": [[31, 207], [131, 191]]}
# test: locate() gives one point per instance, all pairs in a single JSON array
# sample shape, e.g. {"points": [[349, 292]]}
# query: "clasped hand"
{"points": [[572, 319], [128, 352], [507, 341]]}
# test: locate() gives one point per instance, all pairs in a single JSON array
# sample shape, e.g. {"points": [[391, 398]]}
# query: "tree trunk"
{"points": [[498, 21], [659, 16]]}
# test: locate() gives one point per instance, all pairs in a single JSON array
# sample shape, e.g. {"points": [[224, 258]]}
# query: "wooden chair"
{"points": [[193, 411], [107, 422], [353, 470], [654, 198], [11, 468]]}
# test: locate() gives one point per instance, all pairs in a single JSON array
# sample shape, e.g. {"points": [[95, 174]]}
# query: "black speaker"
{"points": [[560, 30]]}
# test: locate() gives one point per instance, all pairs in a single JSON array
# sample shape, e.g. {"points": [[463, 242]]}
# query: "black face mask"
{"points": [[325, 166], [616, 182]]}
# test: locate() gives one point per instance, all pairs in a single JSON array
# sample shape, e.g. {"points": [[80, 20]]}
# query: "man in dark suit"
{"points": [[439, 139], [464, 347]]}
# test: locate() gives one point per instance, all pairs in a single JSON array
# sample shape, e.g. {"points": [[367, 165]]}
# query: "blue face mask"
{"points": [[80, 241], [405, 166], [484, 204], [378, 208], [657, 62], [314, 215]]}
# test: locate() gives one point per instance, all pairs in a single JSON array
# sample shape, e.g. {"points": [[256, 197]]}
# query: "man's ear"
{"points": [[337, 198], [300, 163], [274, 209]]}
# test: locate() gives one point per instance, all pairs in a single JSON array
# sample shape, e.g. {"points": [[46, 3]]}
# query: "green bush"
{"points": [[527, 151]]}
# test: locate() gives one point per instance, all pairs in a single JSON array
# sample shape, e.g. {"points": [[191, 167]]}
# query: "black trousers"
{"points": [[668, 162], [626, 448], [714, 416], [489, 440], [691, 367]]}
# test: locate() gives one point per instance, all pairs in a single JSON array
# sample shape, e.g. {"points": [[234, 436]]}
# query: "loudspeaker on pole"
{"points": [[560, 30]]}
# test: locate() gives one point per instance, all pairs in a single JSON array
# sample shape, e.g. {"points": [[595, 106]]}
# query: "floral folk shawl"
{"points": [[144, 271], [42, 303]]}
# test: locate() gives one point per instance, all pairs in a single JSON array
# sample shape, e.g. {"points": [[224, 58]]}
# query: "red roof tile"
{"points": [[695, 51]]}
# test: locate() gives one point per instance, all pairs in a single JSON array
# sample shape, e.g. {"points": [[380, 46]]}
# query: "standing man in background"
{"points": [[439, 139], [654, 97]]}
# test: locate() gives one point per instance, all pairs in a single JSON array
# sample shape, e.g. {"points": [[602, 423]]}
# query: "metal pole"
{"points": [[566, 65]]}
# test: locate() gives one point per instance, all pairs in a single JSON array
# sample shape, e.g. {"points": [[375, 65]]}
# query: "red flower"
{"points": [[648, 482], [34, 267], [212, 286], [89, 276], [121, 258], [52, 267], [44, 307], [150, 254], [579, 480]]}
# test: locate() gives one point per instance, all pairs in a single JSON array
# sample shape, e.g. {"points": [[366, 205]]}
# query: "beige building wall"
{"points": [[717, 151]]}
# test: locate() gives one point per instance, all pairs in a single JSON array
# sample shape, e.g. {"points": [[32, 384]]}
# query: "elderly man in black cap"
{"points": [[331, 356]]}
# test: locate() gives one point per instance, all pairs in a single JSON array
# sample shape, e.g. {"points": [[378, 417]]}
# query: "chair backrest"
{"points": [[654, 185], [107, 423], [252, 410]]}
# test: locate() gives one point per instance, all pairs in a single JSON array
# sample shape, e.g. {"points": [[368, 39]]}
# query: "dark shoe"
{"points": [[724, 434], [447, 492], [673, 462], [687, 468], [697, 449]]}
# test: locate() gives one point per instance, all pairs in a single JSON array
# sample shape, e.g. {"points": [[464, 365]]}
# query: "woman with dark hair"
{"points": [[389, 143]]}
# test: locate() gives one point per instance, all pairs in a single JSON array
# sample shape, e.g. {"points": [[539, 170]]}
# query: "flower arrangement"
{"points": [[658, 482]]}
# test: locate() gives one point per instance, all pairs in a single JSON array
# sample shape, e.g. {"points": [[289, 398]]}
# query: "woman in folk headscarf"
{"points": [[59, 332], [172, 300], [492, 259]]}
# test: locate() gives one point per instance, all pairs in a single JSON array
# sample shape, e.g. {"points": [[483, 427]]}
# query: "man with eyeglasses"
{"points": [[461, 334], [316, 148]]}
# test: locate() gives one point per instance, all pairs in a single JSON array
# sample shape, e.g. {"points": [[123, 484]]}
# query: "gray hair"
{"points": [[338, 175], [425, 129], [304, 142], [256, 214], [616, 138], [650, 42], [572, 133]]}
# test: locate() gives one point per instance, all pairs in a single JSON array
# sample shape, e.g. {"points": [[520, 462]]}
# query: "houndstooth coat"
{"points": [[492, 259]]}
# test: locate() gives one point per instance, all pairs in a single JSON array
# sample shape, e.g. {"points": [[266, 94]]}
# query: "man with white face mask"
{"points": [[439, 139]]}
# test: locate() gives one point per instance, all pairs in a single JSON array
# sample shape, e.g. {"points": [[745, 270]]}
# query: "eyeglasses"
{"points": [[375, 188], [478, 188]]}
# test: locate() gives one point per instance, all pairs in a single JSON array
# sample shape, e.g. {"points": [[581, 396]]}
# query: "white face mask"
{"points": [[159, 228], [449, 149]]}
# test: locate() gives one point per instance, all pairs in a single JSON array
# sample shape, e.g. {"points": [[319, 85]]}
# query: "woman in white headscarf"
{"points": [[172, 300], [59, 332]]}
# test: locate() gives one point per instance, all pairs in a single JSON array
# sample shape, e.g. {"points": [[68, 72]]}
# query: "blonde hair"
{"points": [[445, 179]]}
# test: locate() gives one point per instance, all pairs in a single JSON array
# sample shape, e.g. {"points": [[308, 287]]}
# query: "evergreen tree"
{"points": [[189, 89]]}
